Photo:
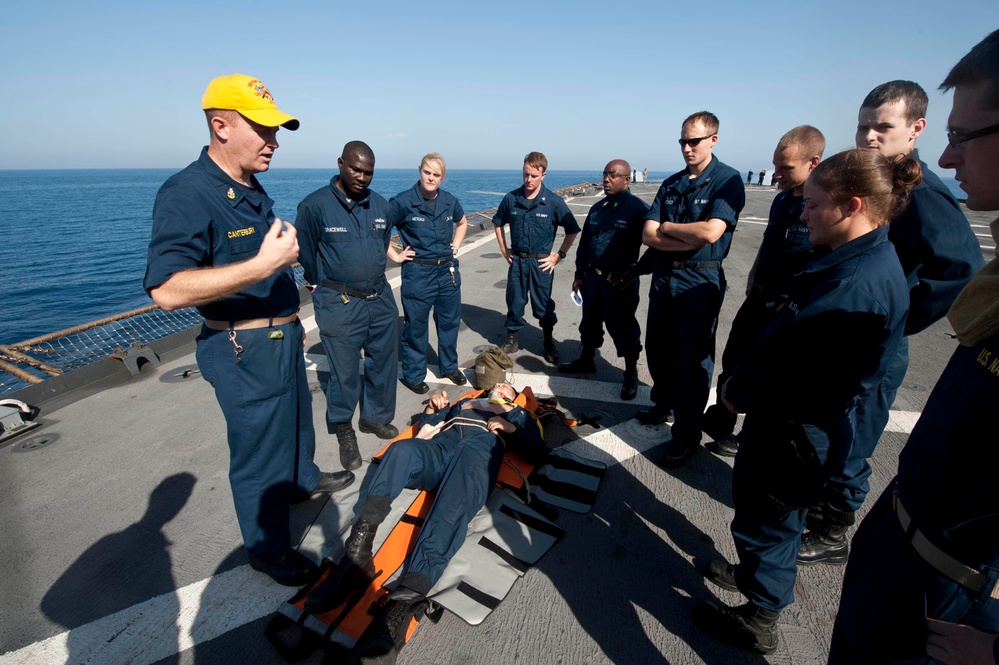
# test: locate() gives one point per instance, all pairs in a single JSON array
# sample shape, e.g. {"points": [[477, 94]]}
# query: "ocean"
{"points": [[76, 239]]}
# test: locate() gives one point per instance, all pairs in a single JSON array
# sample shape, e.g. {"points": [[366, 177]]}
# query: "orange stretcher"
{"points": [[295, 632]]}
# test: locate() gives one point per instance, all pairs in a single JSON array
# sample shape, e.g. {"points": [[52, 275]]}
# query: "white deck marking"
{"points": [[165, 625]]}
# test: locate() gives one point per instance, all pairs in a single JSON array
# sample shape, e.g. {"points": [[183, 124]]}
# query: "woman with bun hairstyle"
{"points": [[799, 386]]}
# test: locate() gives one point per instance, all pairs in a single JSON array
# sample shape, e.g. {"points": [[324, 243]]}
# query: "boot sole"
{"points": [[829, 561]]}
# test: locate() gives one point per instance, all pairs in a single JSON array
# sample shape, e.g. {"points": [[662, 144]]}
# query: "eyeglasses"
{"points": [[608, 174], [693, 142], [955, 139]]}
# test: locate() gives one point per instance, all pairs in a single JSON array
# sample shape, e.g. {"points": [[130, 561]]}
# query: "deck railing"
{"points": [[35, 360]]}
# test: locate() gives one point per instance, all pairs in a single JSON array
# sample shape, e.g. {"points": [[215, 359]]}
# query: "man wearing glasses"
{"points": [[922, 577], [607, 270], [691, 223], [939, 254]]}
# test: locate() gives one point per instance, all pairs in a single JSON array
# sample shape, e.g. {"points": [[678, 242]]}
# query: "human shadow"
{"points": [[617, 572], [120, 571], [248, 643], [490, 324]]}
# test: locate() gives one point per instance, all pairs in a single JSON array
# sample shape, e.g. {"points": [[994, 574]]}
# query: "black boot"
{"points": [[510, 345], [721, 573], [551, 351], [629, 387], [655, 415], [350, 455], [355, 571], [826, 541], [748, 625], [381, 642], [582, 365], [830, 547]]}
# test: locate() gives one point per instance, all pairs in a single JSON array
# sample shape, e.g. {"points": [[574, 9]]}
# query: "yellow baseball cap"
{"points": [[249, 97]]}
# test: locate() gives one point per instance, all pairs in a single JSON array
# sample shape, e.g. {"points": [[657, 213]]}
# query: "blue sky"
{"points": [[108, 84]]}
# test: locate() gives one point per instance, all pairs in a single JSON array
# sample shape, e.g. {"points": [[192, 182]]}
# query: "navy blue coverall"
{"points": [[461, 463], [533, 224], [609, 243], [946, 485], [784, 252], [686, 294], [430, 280], [342, 247], [203, 218], [833, 339], [939, 254]]}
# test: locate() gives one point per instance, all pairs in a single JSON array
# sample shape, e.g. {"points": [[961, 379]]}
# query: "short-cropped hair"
{"points": [[706, 118], [979, 65], [893, 91], [536, 160], [807, 140]]}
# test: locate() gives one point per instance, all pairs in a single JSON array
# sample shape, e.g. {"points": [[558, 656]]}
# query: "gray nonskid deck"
{"points": [[98, 573]]}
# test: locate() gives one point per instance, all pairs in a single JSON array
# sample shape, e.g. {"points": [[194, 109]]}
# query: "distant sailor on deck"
{"points": [[607, 270], [344, 233], [691, 222], [432, 226], [533, 213], [217, 246]]}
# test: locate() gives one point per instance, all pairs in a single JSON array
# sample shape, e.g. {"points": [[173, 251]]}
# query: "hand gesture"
{"points": [[280, 246], [439, 401], [403, 256], [500, 424], [956, 644], [549, 262]]}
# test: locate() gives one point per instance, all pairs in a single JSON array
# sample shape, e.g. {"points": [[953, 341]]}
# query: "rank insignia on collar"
{"points": [[231, 194]]}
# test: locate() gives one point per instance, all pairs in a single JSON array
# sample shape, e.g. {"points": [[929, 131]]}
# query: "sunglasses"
{"points": [[693, 142], [957, 138]]}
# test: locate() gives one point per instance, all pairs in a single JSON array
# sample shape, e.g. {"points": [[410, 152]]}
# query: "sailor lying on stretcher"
{"points": [[458, 451]]}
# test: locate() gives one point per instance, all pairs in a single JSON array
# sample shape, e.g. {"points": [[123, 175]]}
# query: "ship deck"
{"points": [[99, 571]]}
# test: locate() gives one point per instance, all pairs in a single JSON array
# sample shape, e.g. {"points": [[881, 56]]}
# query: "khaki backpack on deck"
{"points": [[491, 367]]}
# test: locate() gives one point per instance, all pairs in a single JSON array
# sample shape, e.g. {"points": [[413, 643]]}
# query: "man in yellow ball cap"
{"points": [[216, 245]]}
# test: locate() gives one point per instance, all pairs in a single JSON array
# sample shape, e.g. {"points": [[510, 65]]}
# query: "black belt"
{"points": [[432, 262], [350, 292], [607, 273], [697, 264], [526, 255]]}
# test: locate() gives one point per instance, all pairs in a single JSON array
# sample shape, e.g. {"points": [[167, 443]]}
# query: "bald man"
{"points": [[343, 236], [607, 270]]}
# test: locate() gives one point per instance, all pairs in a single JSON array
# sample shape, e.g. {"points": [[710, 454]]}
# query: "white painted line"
{"points": [[165, 625], [902, 421]]}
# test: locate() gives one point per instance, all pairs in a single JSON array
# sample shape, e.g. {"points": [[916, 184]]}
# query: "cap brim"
{"points": [[271, 118]]}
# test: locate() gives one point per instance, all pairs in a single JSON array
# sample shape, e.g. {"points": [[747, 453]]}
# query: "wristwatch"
{"points": [[561, 254]]}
